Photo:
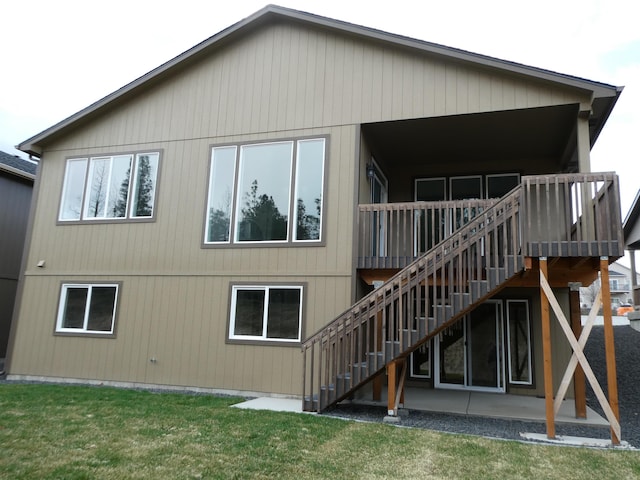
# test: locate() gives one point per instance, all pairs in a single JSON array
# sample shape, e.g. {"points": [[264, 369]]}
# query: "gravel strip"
{"points": [[627, 344]]}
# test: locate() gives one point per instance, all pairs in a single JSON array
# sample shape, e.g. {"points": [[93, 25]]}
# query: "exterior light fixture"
{"points": [[371, 170]]}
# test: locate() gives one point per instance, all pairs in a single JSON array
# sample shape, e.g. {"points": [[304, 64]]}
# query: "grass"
{"points": [[72, 432]]}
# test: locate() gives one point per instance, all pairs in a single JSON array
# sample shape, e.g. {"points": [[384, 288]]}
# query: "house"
{"points": [[631, 228], [16, 184], [399, 210], [620, 286]]}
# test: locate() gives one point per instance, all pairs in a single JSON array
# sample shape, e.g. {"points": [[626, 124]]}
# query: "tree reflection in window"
{"points": [[255, 189], [261, 219]]}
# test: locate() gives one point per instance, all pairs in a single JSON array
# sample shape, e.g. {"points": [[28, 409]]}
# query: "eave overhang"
{"points": [[631, 225], [17, 172]]}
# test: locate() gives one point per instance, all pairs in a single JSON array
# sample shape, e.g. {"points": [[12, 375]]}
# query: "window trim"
{"points": [[443, 180], [132, 182], [484, 182], [250, 340], [75, 332], [465, 177], [519, 383], [497, 175], [291, 228]]}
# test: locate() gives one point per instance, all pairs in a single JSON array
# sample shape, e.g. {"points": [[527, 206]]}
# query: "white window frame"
{"points": [[496, 175], [429, 345], [240, 166], [465, 177], [265, 288], [440, 180], [86, 188], [89, 287], [529, 346], [292, 199], [296, 185]]}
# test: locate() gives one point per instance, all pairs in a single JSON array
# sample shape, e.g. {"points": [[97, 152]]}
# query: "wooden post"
{"points": [[405, 365], [391, 389], [377, 381], [579, 382], [546, 349], [610, 353], [634, 279]]}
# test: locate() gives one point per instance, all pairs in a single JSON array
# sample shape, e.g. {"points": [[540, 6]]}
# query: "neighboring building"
{"points": [[16, 184], [202, 223], [620, 285], [631, 228]]}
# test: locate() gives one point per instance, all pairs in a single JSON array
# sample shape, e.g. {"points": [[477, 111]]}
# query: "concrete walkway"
{"points": [[272, 403]]}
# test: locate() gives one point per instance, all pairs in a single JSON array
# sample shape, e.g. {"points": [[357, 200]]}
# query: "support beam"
{"points": [[377, 380], [610, 353], [395, 385], [546, 349], [579, 354], [583, 141], [635, 293], [391, 389], [579, 382]]}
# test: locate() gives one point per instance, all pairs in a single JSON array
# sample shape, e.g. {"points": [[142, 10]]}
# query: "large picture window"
{"points": [[269, 313], [267, 192], [110, 187], [87, 308]]}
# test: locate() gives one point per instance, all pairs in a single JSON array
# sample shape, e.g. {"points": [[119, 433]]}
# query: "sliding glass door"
{"points": [[470, 354]]}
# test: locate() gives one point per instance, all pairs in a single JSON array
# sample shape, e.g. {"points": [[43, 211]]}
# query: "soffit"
{"points": [[508, 135]]}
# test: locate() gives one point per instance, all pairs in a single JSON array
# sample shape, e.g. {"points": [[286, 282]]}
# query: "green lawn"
{"points": [[70, 432]]}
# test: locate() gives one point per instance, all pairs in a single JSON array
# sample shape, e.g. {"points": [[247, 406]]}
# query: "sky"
{"points": [[60, 56]]}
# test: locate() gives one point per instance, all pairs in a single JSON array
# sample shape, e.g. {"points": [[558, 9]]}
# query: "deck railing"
{"points": [[392, 235], [568, 215], [575, 215], [572, 215]]}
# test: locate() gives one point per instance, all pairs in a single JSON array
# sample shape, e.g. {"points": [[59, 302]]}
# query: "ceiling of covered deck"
{"points": [[527, 141]]}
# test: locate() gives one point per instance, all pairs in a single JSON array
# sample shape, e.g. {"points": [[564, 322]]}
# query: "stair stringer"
{"points": [[409, 349]]}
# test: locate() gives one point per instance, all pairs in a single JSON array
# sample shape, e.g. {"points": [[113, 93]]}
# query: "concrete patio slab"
{"points": [[272, 403], [575, 441]]}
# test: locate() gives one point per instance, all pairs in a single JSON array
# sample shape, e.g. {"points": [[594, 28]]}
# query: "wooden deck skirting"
{"points": [[570, 220]]}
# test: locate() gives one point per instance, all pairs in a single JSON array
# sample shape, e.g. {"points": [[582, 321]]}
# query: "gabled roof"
{"points": [[631, 225], [604, 95], [17, 166]]}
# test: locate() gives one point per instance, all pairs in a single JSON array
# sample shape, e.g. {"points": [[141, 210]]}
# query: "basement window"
{"points": [[266, 313], [87, 309]]}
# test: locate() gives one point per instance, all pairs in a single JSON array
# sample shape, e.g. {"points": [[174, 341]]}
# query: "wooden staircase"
{"points": [[473, 264]]}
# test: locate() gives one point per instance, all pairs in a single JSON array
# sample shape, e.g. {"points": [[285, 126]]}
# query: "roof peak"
{"points": [[33, 144]]}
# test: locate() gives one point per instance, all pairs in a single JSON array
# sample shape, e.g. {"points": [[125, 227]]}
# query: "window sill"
{"points": [[263, 343]]}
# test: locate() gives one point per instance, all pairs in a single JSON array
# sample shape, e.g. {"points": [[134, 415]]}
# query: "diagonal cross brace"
{"points": [[573, 362], [577, 351]]}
